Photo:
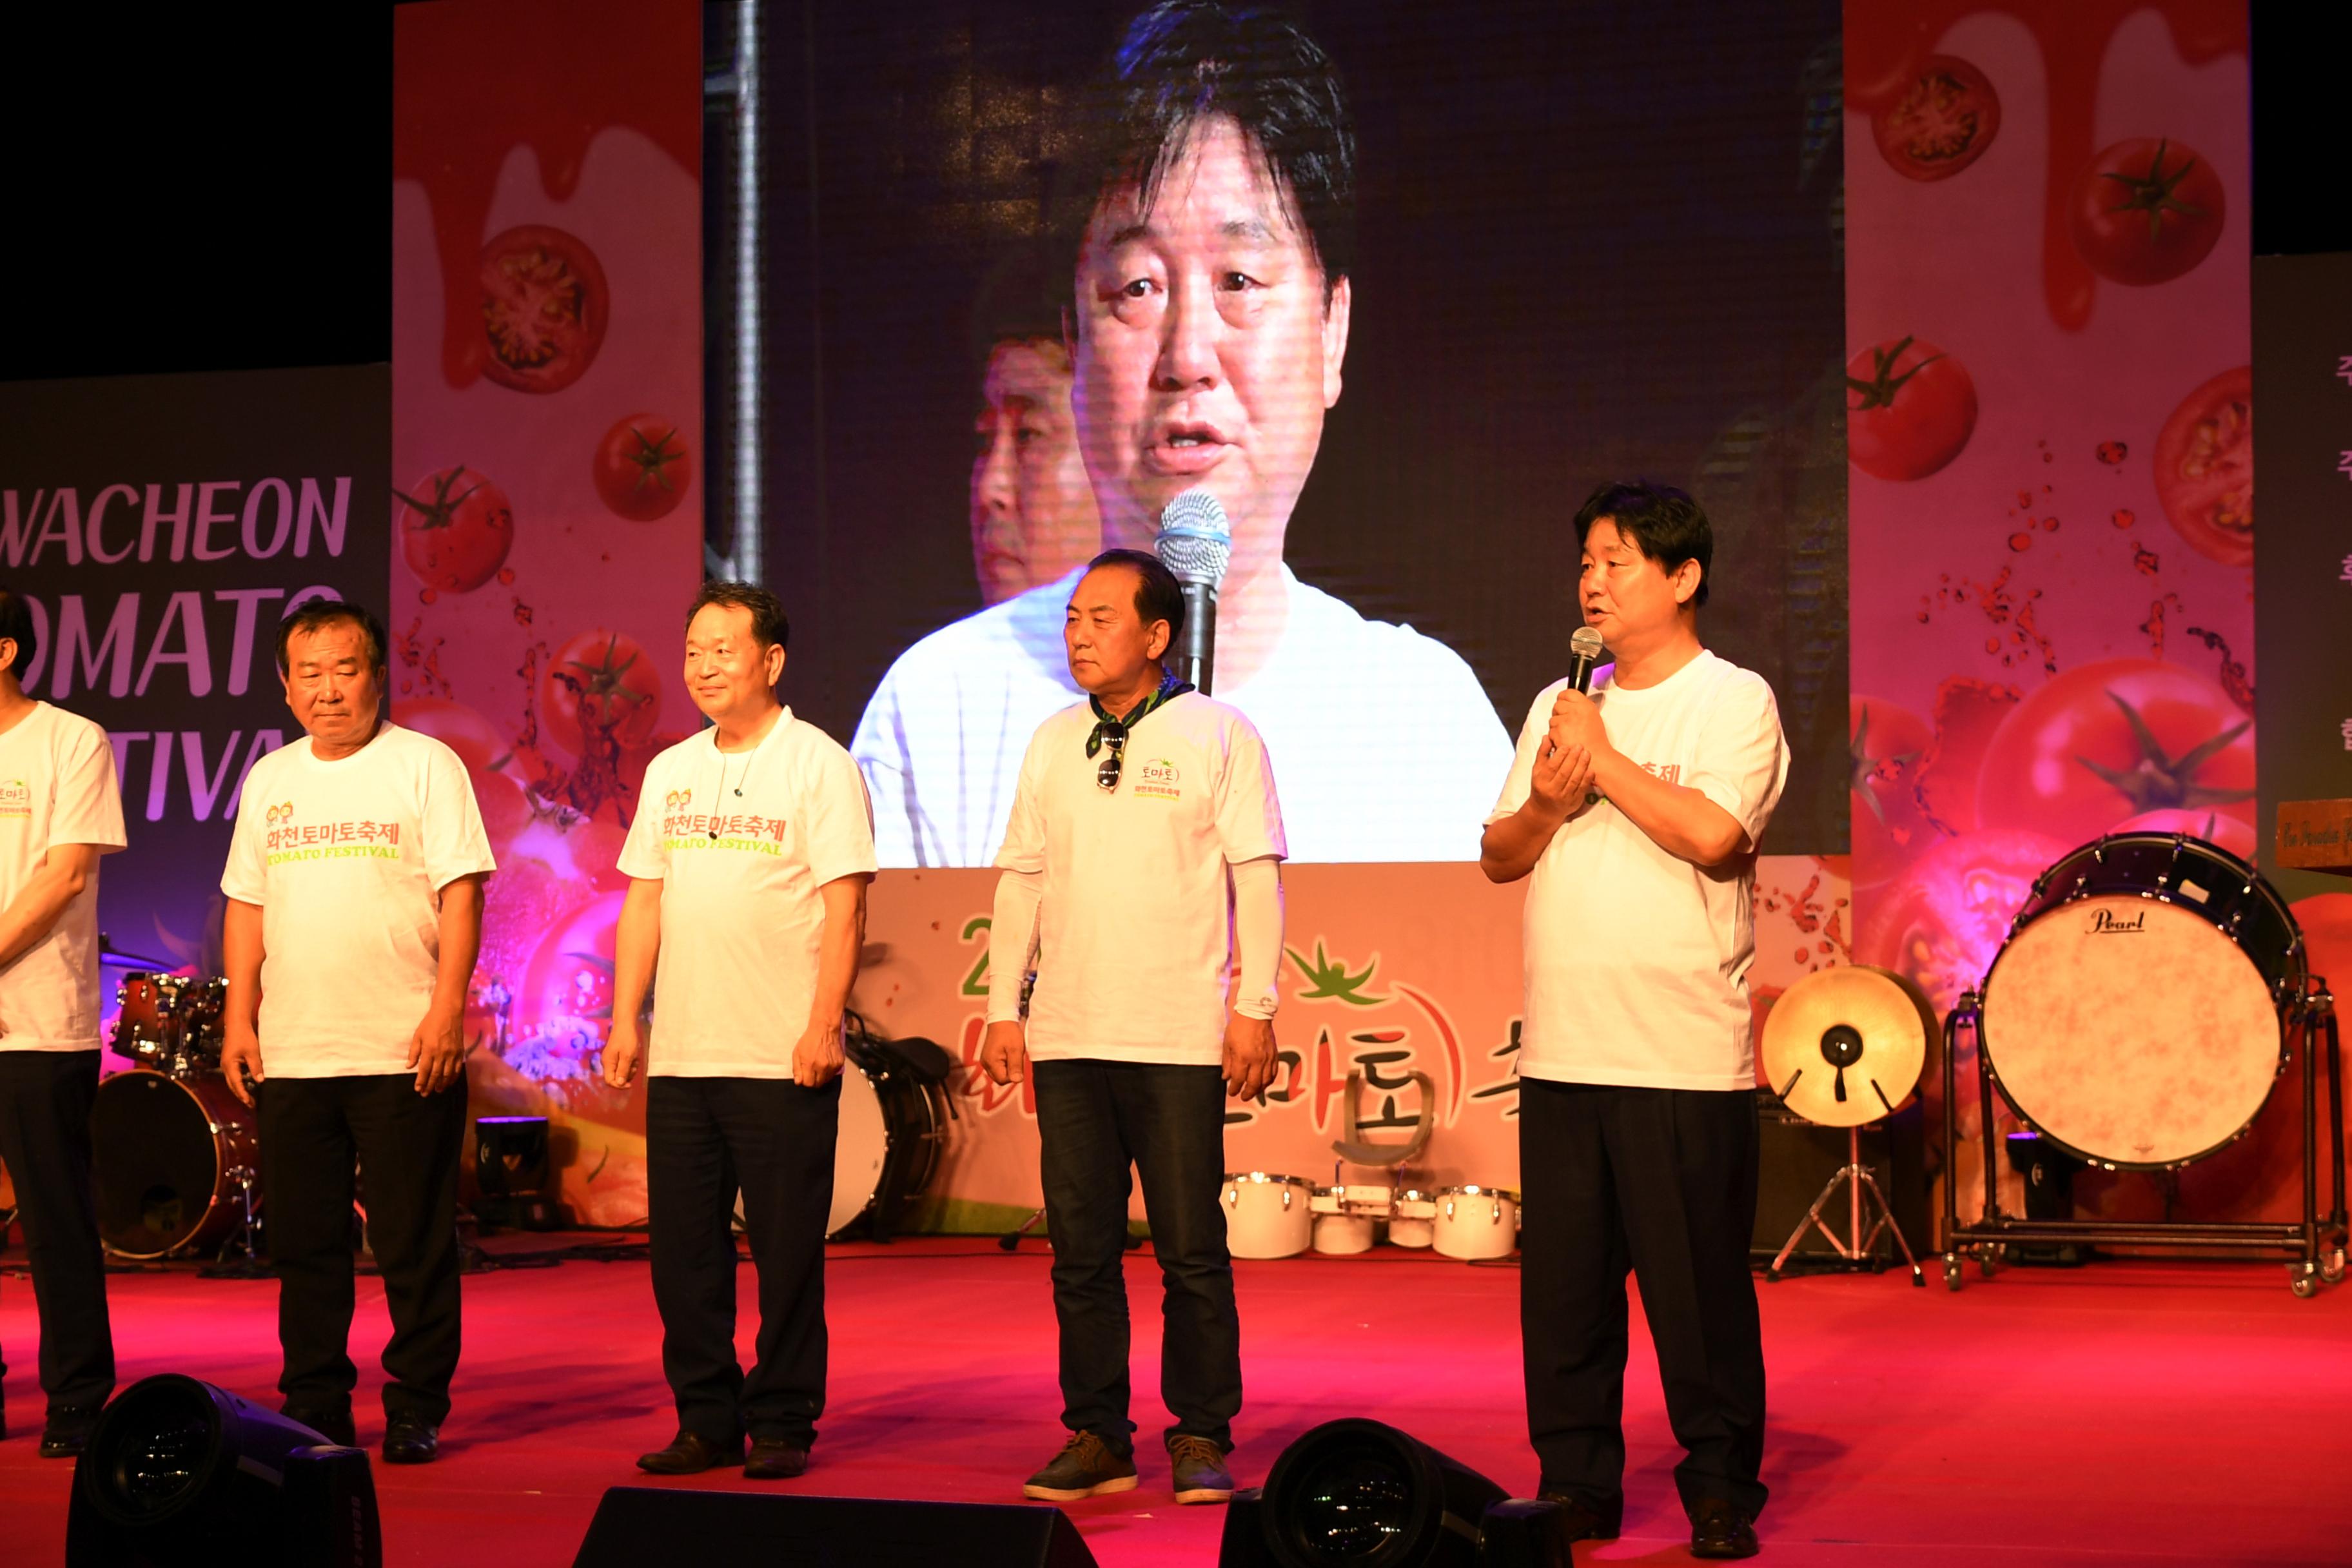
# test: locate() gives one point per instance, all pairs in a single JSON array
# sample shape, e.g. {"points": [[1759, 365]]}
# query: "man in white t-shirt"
{"points": [[354, 887], [59, 811], [1638, 808], [1209, 326], [1142, 866], [748, 864]]}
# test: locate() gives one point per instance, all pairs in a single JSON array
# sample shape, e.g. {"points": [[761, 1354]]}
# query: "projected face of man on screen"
{"points": [[1033, 513], [1208, 315], [1209, 346]]}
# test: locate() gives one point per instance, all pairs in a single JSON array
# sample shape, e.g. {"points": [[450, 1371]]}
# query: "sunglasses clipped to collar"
{"points": [[1114, 737]]}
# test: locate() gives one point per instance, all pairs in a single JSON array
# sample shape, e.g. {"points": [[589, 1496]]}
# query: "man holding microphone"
{"points": [[1141, 865], [1637, 807], [748, 864]]}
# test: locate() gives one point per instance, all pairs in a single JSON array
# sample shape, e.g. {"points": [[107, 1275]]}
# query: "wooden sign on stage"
{"points": [[2315, 835]]}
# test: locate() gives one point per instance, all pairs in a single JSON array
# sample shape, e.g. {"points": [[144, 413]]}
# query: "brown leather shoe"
{"points": [[688, 1454], [1197, 1466], [1085, 1467], [775, 1459]]}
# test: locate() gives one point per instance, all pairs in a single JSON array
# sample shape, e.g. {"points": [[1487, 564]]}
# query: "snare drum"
{"points": [[2133, 1017], [1413, 1220], [1476, 1222], [1267, 1215], [173, 1155], [1345, 1217]]}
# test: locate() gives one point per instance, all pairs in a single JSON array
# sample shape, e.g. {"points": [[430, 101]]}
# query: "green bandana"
{"points": [[1106, 722]]}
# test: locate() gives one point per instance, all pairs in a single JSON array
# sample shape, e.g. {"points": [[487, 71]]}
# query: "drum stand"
{"points": [[240, 1255], [2314, 1243], [1857, 1251]]}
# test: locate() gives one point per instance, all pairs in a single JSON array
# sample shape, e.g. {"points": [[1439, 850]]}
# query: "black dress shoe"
{"points": [[334, 1426], [1719, 1529], [66, 1429], [688, 1454], [410, 1440], [775, 1459], [1583, 1520]]}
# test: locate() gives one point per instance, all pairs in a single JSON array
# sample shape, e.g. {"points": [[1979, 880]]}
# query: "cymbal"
{"points": [[1843, 1047]]}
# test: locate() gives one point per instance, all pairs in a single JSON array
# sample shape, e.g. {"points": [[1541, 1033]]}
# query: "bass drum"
{"points": [[172, 1154], [893, 1121], [2133, 1017]]}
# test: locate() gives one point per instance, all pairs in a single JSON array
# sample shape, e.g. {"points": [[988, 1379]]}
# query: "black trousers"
{"points": [[405, 1145], [706, 1138], [45, 1104], [1094, 1120], [1662, 1182]]}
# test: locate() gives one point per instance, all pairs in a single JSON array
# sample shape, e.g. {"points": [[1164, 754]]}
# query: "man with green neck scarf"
{"points": [[1142, 868]]}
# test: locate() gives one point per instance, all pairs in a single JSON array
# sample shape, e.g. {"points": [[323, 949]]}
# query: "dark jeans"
{"points": [[706, 1138], [405, 1145], [1661, 1181], [45, 1104], [1094, 1120]]}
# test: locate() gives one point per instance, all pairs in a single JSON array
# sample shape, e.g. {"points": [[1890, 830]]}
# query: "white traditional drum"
{"points": [[1413, 1219], [1267, 1215], [1476, 1222], [2132, 1016], [1345, 1217]]}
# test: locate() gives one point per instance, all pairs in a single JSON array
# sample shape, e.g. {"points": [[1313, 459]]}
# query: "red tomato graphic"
{"points": [[642, 467], [544, 307], [603, 681], [462, 728], [2108, 741], [2205, 468], [1942, 123], [1910, 407], [456, 527], [1887, 747], [2145, 211]]}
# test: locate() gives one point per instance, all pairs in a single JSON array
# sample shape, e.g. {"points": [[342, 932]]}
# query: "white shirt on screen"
{"points": [[742, 842], [347, 859], [56, 787], [1388, 744], [1636, 962], [1134, 926]]}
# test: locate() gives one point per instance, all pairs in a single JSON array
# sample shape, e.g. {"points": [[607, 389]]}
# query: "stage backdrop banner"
{"points": [[1389, 971], [161, 527], [2050, 434], [547, 529]]}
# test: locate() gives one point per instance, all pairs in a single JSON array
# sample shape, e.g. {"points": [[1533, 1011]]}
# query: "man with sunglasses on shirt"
{"points": [[1141, 865]]}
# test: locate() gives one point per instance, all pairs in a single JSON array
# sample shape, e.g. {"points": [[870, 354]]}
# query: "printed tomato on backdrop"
{"points": [[2036, 660], [547, 408]]}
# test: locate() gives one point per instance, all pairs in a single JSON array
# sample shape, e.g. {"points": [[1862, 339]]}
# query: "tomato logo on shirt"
{"points": [[16, 798], [1157, 779]]}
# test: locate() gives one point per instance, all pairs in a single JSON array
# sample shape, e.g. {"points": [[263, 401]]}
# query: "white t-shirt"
{"points": [[1136, 924], [740, 842], [347, 859], [1390, 748], [1637, 962], [57, 786]]}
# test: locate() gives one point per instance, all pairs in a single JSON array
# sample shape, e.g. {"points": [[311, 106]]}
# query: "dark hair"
{"points": [[1186, 61], [320, 614], [1664, 524], [768, 623], [1020, 301], [17, 626], [1157, 596]]}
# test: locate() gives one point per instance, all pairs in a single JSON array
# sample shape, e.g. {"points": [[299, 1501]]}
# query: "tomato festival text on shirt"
{"points": [[696, 830], [328, 840], [1667, 771]]}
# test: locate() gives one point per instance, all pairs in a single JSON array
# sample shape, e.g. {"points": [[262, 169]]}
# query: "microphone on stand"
{"points": [[1583, 653], [1196, 543]]}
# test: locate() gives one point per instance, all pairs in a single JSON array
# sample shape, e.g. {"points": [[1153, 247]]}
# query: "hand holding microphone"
{"points": [[1563, 777]]}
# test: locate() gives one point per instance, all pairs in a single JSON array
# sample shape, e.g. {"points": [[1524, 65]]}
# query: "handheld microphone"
{"points": [[1196, 543], [1583, 653]]}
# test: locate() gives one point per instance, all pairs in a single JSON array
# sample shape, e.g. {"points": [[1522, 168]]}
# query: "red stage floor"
{"points": [[2127, 1414]]}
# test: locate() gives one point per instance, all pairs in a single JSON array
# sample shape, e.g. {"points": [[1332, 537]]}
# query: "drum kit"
{"points": [[2148, 997], [177, 1156]]}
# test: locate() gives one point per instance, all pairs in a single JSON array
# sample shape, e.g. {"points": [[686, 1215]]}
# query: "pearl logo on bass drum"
{"points": [[2106, 920]]}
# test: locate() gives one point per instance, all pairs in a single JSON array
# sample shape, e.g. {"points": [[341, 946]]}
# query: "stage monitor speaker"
{"points": [[1796, 1159], [637, 1525]]}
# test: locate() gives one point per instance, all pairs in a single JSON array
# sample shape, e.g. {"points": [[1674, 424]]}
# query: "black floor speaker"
{"points": [[1796, 1159], [637, 1525]]}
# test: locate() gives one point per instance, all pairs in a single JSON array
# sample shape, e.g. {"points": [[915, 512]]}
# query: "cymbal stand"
{"points": [[1856, 1249], [239, 1257]]}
